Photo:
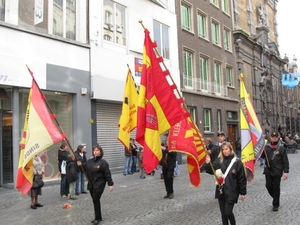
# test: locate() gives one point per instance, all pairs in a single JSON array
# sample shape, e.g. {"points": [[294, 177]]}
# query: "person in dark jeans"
{"points": [[98, 174], [62, 163], [168, 163], [134, 155], [277, 164]]}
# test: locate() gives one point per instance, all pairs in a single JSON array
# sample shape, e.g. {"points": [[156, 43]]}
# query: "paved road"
{"points": [[140, 202]]}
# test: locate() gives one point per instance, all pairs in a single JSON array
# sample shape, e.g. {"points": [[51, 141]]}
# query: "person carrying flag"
{"points": [[276, 165]]}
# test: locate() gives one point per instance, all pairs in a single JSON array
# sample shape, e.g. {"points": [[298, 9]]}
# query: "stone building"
{"points": [[256, 45]]}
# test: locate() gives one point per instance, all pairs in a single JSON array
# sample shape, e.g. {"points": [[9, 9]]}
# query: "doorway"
{"points": [[232, 134], [6, 147]]}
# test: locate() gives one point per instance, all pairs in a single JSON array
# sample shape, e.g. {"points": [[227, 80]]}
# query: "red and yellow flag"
{"points": [[128, 119], [184, 138], [252, 139], [39, 133], [158, 106]]}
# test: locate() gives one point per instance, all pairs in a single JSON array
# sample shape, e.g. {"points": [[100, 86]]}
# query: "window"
{"points": [[202, 26], [229, 77], [215, 33], [161, 36], [219, 123], [2, 10], [192, 111], [188, 68], [63, 18], [215, 2], [114, 22], [217, 73], [225, 6], [204, 73], [227, 39], [207, 120], [186, 17]]}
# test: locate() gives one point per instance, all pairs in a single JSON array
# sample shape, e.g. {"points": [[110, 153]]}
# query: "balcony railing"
{"points": [[199, 85]]}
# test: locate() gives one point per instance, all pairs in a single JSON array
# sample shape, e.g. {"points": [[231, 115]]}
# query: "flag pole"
{"points": [[57, 123], [195, 127]]}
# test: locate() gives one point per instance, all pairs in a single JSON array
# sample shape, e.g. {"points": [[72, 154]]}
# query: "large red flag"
{"points": [[184, 138], [39, 133], [159, 106]]}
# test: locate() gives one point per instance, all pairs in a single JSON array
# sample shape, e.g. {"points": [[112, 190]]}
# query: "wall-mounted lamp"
{"points": [[83, 91], [237, 41]]}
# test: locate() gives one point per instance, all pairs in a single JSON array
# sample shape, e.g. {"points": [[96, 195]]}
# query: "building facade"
{"points": [[255, 38], [51, 38], [208, 71]]}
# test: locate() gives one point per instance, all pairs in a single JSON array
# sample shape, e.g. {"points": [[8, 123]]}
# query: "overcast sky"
{"points": [[288, 22]]}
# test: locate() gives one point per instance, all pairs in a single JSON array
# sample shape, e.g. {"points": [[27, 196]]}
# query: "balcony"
{"points": [[201, 86]]}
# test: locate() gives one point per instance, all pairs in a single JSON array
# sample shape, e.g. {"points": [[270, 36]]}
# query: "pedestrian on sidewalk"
{"points": [[98, 174], [62, 163], [134, 149], [38, 171], [128, 159], [276, 165], [80, 153], [71, 173], [140, 157], [231, 183], [168, 163]]}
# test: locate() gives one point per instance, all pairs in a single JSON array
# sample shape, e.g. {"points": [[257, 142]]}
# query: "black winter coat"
{"points": [[215, 150], [62, 155], [82, 159], [278, 159], [71, 171], [235, 182], [98, 173], [168, 159]]}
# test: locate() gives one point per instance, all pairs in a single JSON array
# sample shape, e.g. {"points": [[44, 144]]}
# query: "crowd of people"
{"points": [[221, 157]]}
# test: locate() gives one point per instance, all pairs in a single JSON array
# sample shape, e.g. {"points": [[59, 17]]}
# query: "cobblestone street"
{"points": [[140, 202]]}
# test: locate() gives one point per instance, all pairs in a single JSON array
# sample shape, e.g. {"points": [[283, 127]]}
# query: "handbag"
{"points": [[37, 182]]}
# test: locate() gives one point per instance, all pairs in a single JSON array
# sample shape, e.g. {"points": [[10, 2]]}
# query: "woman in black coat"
{"points": [[98, 174], [232, 185]]}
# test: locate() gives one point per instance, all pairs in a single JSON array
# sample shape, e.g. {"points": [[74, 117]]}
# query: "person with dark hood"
{"points": [[276, 166], [98, 174], [231, 182]]}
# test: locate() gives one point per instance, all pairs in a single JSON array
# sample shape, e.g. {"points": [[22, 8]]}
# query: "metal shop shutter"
{"points": [[108, 115]]}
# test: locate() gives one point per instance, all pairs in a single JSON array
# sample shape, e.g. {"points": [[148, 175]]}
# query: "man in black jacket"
{"points": [[168, 163], [277, 164]]}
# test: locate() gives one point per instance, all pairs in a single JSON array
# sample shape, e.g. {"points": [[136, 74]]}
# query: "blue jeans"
{"points": [[262, 161], [238, 154], [127, 167], [64, 186], [133, 168], [80, 179]]}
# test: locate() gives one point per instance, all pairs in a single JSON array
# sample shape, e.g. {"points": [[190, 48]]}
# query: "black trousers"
{"points": [[226, 211], [273, 187], [96, 196], [168, 179]]}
